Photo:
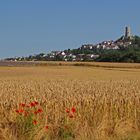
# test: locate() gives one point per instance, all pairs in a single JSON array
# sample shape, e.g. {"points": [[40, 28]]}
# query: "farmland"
{"points": [[99, 101]]}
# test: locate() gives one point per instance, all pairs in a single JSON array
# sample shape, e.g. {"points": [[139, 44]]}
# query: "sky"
{"points": [[29, 27]]}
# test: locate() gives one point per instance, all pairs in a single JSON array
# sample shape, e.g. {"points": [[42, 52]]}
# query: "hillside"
{"points": [[122, 50]]}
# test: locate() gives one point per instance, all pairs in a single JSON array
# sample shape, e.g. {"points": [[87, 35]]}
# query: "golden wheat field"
{"points": [[69, 103]]}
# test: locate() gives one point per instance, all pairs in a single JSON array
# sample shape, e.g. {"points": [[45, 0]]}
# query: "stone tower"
{"points": [[127, 32]]}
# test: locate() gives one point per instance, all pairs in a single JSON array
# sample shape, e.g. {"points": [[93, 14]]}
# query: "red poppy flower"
{"points": [[36, 103], [35, 112], [67, 110], [34, 122], [17, 111], [71, 116], [39, 110], [73, 110], [22, 105], [46, 126], [32, 104], [21, 111]]}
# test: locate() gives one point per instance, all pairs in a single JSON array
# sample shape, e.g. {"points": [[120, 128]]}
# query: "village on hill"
{"points": [[124, 49]]}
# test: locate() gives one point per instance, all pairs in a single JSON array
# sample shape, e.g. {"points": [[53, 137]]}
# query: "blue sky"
{"points": [[34, 26]]}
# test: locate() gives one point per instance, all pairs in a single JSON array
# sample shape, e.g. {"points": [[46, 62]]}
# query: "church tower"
{"points": [[127, 32]]}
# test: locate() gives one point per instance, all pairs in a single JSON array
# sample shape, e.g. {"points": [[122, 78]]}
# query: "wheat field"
{"points": [[69, 103]]}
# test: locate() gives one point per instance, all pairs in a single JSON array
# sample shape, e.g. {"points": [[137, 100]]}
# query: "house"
{"points": [[91, 56], [63, 53]]}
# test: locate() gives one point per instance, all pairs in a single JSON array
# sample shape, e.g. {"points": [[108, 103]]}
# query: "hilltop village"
{"points": [[91, 52]]}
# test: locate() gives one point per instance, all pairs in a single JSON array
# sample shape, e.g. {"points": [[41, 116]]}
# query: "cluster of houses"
{"points": [[63, 56], [56, 56], [107, 45], [81, 55], [87, 52]]}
